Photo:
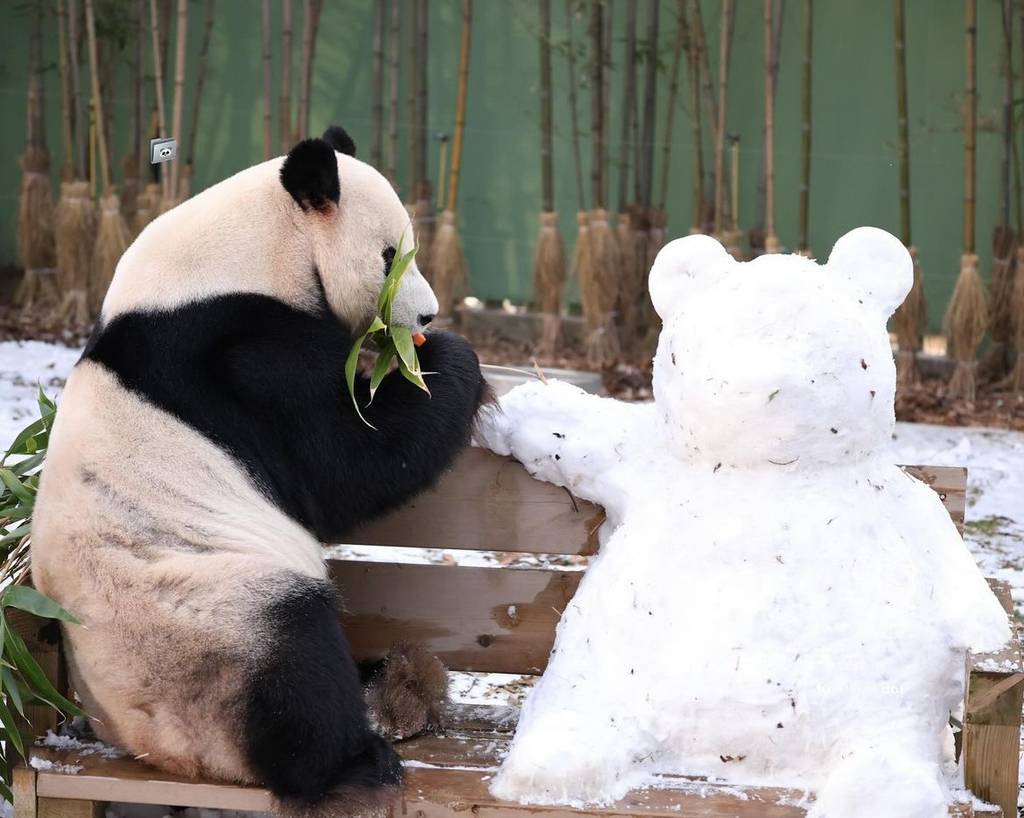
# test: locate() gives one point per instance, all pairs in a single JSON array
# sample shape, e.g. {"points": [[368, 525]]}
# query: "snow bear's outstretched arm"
{"points": [[565, 436]]}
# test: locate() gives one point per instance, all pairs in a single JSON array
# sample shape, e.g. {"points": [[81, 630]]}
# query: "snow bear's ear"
{"points": [[877, 263], [679, 264]]}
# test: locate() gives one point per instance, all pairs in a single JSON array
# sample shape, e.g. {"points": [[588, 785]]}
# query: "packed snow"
{"points": [[775, 602]]}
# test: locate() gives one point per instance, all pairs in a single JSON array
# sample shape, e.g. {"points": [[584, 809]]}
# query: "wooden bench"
{"points": [[500, 619]]}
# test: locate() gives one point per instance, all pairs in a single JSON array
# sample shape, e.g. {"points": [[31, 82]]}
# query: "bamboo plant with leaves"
{"points": [[395, 344], [22, 681]]}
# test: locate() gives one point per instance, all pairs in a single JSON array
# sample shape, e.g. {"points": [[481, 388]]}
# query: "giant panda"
{"points": [[205, 446]]}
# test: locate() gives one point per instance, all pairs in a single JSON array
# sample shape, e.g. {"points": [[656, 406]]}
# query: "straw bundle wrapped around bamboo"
{"points": [[599, 290], [996, 361], [1017, 376], [549, 279], [966, 322], [908, 324], [450, 279], [148, 206], [112, 239], [35, 230], [77, 220]]}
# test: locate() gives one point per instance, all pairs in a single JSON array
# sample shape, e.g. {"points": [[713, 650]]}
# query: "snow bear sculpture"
{"points": [[777, 603]]}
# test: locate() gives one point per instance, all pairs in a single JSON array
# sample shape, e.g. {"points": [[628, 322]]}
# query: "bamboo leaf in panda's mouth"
{"points": [[393, 342]]}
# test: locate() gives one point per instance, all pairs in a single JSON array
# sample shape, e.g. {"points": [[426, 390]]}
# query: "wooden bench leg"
{"points": [[69, 808], [24, 790]]}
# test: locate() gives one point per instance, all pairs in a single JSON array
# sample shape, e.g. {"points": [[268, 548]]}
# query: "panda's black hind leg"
{"points": [[307, 735]]}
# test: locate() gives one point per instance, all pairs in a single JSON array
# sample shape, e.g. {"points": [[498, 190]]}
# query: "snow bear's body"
{"points": [[205, 446], [777, 603]]}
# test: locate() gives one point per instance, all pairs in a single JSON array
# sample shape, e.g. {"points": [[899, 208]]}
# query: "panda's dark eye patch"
{"points": [[389, 256]]}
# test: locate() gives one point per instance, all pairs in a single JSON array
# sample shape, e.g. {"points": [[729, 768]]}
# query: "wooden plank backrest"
{"points": [[493, 619]]}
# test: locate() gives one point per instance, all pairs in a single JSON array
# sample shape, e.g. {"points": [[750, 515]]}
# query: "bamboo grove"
{"points": [[660, 83]]}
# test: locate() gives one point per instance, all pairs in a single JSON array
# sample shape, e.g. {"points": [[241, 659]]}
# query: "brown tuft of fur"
{"points": [[408, 693], [112, 239], [966, 322], [448, 267], [343, 802]]}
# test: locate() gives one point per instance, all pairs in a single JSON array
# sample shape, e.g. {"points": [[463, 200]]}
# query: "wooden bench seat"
{"points": [[497, 619]]}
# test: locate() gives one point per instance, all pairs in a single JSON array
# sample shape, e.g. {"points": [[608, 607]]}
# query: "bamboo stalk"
{"points": [[181, 34], [970, 122], [650, 96], [448, 264], [392, 160], [1004, 180], [101, 136], [422, 129], [460, 106], [310, 25], [547, 173], [628, 104], [204, 53], [805, 126], [606, 97], [67, 103], [778, 17], [268, 115], [138, 97], [573, 110], [284, 104], [596, 107], [670, 108], [412, 102], [903, 139], [158, 82], [723, 79], [377, 85], [771, 241], [81, 117], [549, 258], [693, 64]]}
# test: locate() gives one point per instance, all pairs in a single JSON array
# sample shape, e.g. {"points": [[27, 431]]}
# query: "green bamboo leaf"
{"points": [[27, 440], [12, 689], [22, 467], [402, 336], [46, 403], [33, 674], [16, 487], [16, 534], [6, 793], [11, 728], [382, 367], [413, 376], [26, 598]]}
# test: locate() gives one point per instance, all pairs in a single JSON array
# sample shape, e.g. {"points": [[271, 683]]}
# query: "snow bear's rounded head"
{"points": [[778, 360]]}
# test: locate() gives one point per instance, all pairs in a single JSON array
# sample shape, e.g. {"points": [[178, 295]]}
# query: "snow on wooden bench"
{"points": [[498, 619]]}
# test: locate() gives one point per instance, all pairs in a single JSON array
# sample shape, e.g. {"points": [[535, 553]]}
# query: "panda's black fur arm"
{"points": [[266, 382]]}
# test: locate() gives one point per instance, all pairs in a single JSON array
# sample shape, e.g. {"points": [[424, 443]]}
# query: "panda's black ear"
{"points": [[310, 175], [338, 138]]}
